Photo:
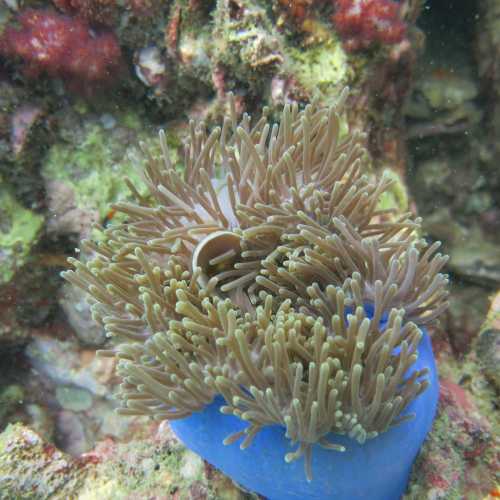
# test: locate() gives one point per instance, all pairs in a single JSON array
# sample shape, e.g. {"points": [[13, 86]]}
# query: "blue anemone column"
{"points": [[376, 470]]}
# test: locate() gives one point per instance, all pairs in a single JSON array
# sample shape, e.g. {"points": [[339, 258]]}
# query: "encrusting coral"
{"points": [[265, 273]]}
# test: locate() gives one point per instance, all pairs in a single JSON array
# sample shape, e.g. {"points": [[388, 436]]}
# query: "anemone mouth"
{"points": [[216, 255], [282, 287]]}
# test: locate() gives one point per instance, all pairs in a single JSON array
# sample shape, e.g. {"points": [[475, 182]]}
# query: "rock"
{"points": [[152, 467], [488, 344], [442, 103], [64, 217], [74, 304], [12, 332], [32, 468], [19, 231], [247, 44], [63, 363], [323, 66], [74, 398], [40, 421], [465, 315], [27, 301], [11, 396], [441, 225], [84, 172], [42, 280], [477, 260], [72, 435], [458, 459], [23, 120], [488, 352], [448, 92]]}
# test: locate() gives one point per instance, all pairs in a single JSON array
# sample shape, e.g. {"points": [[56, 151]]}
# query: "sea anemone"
{"points": [[265, 274]]}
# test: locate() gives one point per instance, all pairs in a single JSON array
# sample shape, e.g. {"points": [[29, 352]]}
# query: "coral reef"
{"points": [[247, 47], [459, 459], [63, 157], [83, 173], [320, 68], [297, 10], [259, 293], [93, 11], [363, 23], [158, 468], [63, 47]]}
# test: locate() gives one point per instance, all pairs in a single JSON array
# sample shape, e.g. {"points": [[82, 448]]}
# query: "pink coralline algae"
{"points": [[63, 47], [100, 12], [460, 457], [363, 23]]}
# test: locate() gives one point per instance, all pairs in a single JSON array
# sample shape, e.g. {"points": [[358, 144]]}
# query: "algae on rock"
{"points": [[94, 157], [19, 231], [152, 467], [323, 67], [246, 46]]}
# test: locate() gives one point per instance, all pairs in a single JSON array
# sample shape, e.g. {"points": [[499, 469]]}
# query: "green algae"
{"points": [[94, 160], [91, 169], [19, 231], [396, 197], [324, 67]]}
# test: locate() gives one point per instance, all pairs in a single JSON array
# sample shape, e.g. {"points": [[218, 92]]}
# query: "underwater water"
{"points": [[328, 210]]}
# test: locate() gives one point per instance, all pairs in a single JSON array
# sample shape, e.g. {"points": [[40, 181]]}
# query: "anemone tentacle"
{"points": [[266, 273]]}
